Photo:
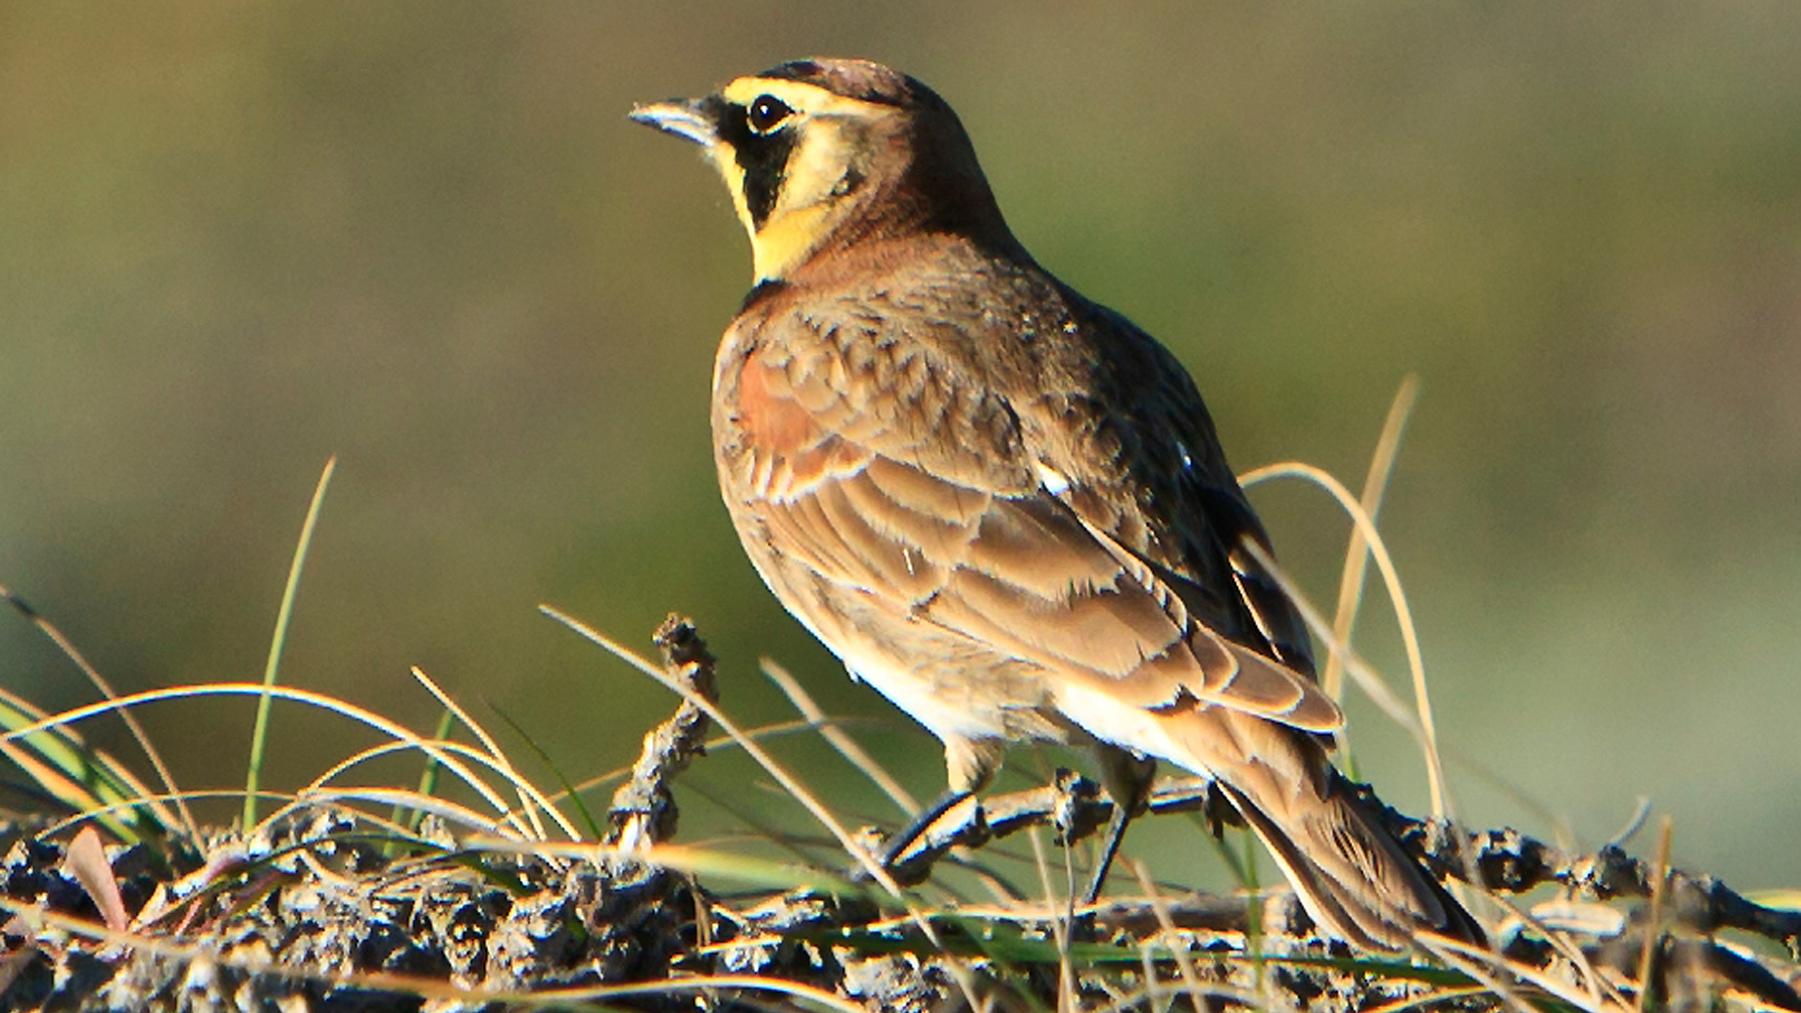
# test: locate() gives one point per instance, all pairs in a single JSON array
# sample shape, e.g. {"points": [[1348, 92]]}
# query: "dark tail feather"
{"points": [[1351, 876]]}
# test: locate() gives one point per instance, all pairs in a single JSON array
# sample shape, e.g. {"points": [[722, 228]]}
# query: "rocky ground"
{"points": [[328, 910]]}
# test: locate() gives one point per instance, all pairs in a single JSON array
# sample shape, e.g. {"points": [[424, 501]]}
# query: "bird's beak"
{"points": [[695, 120]]}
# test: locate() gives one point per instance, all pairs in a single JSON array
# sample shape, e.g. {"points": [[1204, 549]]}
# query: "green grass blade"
{"points": [[428, 783], [259, 735], [65, 769], [569, 791]]}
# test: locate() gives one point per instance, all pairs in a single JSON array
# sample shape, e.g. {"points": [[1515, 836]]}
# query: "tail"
{"points": [[1352, 877]]}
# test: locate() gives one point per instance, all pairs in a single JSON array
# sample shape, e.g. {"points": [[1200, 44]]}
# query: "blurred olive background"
{"points": [[236, 239]]}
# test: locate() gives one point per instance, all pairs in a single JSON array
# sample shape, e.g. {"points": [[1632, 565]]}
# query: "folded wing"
{"points": [[957, 525]]}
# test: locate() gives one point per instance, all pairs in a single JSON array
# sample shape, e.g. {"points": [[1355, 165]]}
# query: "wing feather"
{"points": [[953, 526]]}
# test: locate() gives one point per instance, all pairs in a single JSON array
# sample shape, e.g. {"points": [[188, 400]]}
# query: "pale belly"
{"points": [[954, 687]]}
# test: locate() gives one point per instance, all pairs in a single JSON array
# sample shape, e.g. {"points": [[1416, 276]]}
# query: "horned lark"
{"points": [[1000, 504]]}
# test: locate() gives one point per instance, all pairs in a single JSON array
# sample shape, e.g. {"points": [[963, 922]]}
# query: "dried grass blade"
{"points": [[846, 746], [1397, 596], [799, 792], [85, 859], [1356, 561], [481, 735], [70, 651], [322, 701], [439, 750]]}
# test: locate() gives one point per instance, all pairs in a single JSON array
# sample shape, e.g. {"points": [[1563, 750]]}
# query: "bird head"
{"points": [[820, 154]]}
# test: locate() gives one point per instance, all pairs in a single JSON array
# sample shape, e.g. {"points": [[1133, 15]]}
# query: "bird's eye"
{"points": [[767, 113]]}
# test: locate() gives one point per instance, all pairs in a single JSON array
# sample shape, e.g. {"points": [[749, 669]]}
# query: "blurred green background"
{"points": [[235, 239]]}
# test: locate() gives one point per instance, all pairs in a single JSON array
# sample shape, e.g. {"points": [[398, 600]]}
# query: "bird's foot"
{"points": [[908, 855]]}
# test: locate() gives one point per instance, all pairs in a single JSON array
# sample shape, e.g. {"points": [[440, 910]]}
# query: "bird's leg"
{"points": [[903, 841], [1127, 779], [1116, 832], [969, 765]]}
